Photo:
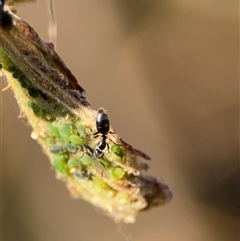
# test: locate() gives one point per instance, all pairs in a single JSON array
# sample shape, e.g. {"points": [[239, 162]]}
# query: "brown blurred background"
{"points": [[167, 72]]}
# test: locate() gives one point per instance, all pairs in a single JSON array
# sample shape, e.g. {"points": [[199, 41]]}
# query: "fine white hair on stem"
{"points": [[52, 25], [123, 232]]}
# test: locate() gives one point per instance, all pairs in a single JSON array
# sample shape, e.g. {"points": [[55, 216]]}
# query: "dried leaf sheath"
{"points": [[63, 123]]}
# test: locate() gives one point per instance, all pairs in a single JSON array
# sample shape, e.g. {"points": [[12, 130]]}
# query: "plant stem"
{"points": [[63, 123]]}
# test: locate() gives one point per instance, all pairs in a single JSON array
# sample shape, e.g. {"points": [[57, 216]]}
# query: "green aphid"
{"points": [[98, 182], [24, 85], [12, 68], [60, 164], [74, 163], [19, 76], [86, 160], [75, 139], [57, 149], [83, 174], [53, 130], [33, 92], [22, 80], [117, 150], [36, 109], [81, 130], [71, 148], [46, 115], [117, 172], [15, 75], [65, 130]]}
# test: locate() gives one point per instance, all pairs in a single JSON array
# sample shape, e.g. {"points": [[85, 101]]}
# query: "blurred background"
{"points": [[167, 72]]}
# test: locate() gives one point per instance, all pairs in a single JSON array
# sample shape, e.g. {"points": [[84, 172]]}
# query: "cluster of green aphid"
{"points": [[24, 82], [69, 145], [40, 112], [41, 104], [68, 142]]}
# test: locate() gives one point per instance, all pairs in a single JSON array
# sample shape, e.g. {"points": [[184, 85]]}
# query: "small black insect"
{"points": [[103, 126], [5, 17]]}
